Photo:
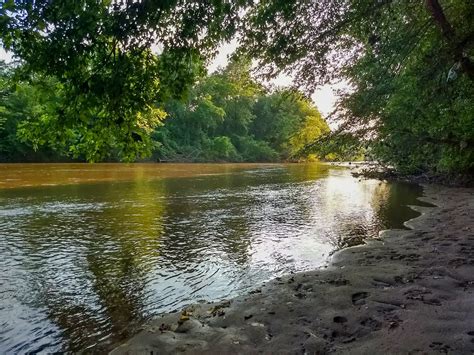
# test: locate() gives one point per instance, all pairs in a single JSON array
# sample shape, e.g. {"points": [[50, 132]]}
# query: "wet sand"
{"points": [[410, 292]]}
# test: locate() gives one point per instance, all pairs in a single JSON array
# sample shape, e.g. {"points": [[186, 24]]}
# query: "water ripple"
{"points": [[81, 265]]}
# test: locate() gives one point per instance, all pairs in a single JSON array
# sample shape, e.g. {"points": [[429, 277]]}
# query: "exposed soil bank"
{"points": [[412, 291]]}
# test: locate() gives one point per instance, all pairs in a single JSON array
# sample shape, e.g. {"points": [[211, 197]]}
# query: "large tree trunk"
{"points": [[449, 34]]}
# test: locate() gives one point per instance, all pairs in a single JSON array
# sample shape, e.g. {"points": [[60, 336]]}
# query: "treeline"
{"points": [[225, 116], [228, 116], [410, 65]]}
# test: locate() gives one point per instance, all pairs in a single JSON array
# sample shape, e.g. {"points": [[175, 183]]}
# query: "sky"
{"points": [[325, 97], [4, 55]]}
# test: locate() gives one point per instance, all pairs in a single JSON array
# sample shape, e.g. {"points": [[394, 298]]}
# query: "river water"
{"points": [[89, 252]]}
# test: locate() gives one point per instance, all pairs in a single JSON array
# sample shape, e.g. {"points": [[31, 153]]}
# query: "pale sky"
{"points": [[4, 55], [325, 97]]}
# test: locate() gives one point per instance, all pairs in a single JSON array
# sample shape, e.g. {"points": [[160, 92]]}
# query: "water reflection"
{"points": [[83, 263]]}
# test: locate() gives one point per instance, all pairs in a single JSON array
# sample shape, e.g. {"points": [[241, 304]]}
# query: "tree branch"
{"points": [[449, 34]]}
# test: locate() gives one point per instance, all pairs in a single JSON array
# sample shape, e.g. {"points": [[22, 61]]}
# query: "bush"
{"points": [[259, 151], [223, 149]]}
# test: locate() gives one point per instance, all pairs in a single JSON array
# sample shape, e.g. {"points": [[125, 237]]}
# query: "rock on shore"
{"points": [[411, 292]]}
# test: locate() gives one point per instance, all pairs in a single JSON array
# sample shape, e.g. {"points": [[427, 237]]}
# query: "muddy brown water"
{"points": [[89, 252]]}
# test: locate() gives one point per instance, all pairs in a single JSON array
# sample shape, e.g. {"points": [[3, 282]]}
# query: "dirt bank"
{"points": [[409, 292]]}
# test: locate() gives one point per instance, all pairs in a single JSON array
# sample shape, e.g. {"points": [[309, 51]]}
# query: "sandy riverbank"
{"points": [[409, 292]]}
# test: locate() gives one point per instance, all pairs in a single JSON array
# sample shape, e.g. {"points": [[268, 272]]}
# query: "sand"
{"points": [[409, 292]]}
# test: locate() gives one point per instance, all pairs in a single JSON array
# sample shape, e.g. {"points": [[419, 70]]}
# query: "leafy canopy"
{"points": [[118, 63], [228, 116], [409, 63], [114, 61]]}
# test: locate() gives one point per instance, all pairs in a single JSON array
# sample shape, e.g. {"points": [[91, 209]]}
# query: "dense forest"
{"points": [[226, 116], [229, 116], [111, 94]]}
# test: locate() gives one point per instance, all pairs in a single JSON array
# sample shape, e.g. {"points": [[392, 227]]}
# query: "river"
{"points": [[89, 252]]}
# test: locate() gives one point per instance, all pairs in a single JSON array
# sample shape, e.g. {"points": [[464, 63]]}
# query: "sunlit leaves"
{"points": [[397, 60], [115, 60], [230, 117]]}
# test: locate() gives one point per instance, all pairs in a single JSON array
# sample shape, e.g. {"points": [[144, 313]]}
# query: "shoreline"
{"points": [[410, 291]]}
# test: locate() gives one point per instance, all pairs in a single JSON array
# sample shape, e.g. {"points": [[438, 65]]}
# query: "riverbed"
{"points": [[90, 252]]}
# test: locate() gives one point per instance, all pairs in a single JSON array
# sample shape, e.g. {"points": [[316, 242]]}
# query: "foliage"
{"points": [[230, 117], [409, 65], [119, 66], [257, 150], [338, 146], [227, 116], [223, 149], [102, 54], [20, 104], [36, 127]]}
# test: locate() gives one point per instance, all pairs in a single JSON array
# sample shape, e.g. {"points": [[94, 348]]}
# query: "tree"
{"points": [[230, 117], [23, 103], [217, 112], [409, 64], [102, 54], [287, 121]]}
